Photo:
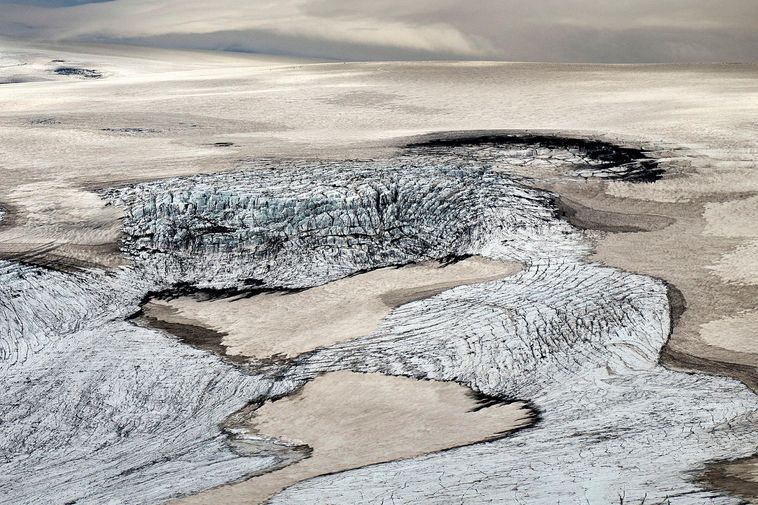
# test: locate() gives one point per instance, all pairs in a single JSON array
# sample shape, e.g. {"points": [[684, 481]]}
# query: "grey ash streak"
{"points": [[105, 411]]}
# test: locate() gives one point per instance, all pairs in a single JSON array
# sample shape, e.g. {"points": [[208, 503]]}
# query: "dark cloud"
{"points": [[548, 30], [272, 43]]}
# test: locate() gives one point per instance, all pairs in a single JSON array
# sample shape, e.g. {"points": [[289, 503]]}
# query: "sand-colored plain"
{"points": [[352, 420], [738, 333], [732, 218], [289, 324], [68, 228], [738, 265]]}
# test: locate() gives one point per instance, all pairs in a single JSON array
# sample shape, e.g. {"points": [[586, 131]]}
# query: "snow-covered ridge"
{"points": [[105, 411]]}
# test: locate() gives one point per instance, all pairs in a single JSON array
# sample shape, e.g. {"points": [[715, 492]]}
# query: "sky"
{"points": [[602, 31]]}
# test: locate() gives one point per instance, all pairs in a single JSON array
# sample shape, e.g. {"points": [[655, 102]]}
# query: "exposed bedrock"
{"points": [[105, 411]]}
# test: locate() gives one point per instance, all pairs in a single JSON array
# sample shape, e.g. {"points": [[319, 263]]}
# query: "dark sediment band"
{"points": [[587, 218], [728, 475], [615, 162]]}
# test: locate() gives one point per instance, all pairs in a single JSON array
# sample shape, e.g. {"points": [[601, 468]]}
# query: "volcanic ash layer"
{"points": [[98, 410]]}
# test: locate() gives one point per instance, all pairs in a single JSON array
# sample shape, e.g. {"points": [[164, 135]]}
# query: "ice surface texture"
{"points": [[98, 410]]}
